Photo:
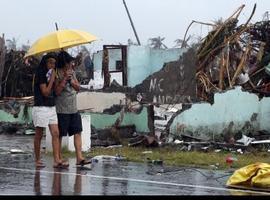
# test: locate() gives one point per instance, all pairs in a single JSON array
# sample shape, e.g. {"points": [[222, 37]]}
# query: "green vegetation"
{"points": [[173, 157]]}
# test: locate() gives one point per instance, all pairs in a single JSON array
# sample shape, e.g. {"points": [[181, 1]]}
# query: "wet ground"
{"points": [[105, 177]]}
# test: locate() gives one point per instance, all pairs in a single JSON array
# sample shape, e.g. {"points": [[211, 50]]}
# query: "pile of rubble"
{"points": [[235, 55], [240, 143]]}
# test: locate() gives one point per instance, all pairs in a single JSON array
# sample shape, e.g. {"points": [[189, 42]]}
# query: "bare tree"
{"points": [[2, 60]]}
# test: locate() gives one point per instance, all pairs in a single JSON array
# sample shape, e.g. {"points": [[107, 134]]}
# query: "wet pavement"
{"points": [[105, 177]]}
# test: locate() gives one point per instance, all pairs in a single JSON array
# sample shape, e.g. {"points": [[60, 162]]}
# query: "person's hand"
{"points": [[68, 74]]}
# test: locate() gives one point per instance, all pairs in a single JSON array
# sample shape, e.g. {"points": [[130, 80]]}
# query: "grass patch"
{"points": [[171, 156]]}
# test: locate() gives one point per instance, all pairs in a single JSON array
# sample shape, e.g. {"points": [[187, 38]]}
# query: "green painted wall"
{"points": [[99, 120], [232, 111], [7, 117]]}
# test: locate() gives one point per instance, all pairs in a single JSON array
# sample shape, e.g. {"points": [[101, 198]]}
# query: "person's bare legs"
{"points": [[37, 142], [55, 143], [60, 148], [78, 147]]}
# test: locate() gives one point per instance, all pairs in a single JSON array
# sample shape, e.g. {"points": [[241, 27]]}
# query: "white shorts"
{"points": [[43, 116]]}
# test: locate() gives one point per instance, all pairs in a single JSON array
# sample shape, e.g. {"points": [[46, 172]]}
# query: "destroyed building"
{"points": [[212, 91]]}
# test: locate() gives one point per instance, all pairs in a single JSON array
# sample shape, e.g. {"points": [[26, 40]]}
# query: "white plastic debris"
{"points": [[29, 132], [245, 140], [178, 141], [114, 146], [239, 151], [261, 142], [16, 151], [108, 158], [243, 78], [173, 110], [147, 152]]}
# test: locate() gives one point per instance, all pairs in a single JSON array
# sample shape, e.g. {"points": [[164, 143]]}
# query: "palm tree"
{"points": [[157, 43], [218, 22], [130, 42], [181, 43], [12, 43]]}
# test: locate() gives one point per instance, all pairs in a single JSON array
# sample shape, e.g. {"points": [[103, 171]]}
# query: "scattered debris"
{"points": [[17, 151], [29, 132], [108, 158], [230, 160], [155, 162], [145, 140], [14, 128], [147, 152], [245, 140]]}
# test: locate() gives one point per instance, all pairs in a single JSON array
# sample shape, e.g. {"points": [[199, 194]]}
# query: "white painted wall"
{"points": [[69, 141], [98, 101], [114, 55]]}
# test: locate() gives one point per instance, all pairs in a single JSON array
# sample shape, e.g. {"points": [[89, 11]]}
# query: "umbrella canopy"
{"points": [[59, 40]]}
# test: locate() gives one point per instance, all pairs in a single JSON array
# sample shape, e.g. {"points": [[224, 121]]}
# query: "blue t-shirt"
{"points": [[41, 78]]}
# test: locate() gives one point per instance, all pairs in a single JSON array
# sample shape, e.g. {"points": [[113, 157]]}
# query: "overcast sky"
{"points": [[29, 19]]}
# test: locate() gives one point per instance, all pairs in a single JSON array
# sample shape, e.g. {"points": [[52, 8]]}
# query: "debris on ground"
{"points": [[104, 158], [155, 162], [17, 151], [144, 140], [15, 128]]}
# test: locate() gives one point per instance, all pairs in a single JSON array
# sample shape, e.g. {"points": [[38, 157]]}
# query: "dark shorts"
{"points": [[69, 124]]}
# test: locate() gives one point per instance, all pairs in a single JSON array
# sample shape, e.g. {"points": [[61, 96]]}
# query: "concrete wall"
{"points": [[98, 101], [114, 55], [174, 83], [232, 111], [101, 121], [7, 117], [142, 61]]}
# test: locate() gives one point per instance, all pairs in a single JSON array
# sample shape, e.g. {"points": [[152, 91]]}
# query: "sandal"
{"points": [[83, 162], [61, 166], [40, 165]]}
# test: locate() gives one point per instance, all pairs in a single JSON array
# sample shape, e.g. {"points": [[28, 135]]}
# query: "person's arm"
{"points": [[46, 89], [60, 85]]}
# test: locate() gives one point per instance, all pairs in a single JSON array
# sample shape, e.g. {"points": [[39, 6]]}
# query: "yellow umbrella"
{"points": [[59, 40]]}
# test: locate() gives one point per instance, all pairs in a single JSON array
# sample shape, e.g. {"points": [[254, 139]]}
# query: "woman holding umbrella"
{"points": [[44, 111]]}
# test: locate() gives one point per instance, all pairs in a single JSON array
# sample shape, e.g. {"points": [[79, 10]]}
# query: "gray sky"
{"points": [[29, 19]]}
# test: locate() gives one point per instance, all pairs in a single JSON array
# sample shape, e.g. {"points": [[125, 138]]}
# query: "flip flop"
{"points": [[40, 165], [61, 166], [83, 162]]}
